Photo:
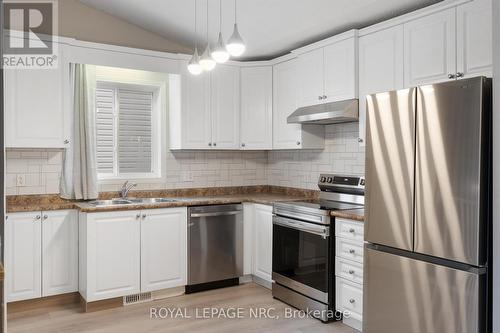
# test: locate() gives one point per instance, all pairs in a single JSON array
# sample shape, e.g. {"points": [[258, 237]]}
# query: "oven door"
{"points": [[301, 255]]}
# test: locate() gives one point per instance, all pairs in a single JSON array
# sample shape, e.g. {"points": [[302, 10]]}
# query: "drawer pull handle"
{"points": [[352, 230], [351, 251], [352, 300], [351, 272]]}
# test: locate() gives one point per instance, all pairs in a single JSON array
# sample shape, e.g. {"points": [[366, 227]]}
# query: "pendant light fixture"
{"points": [[206, 61], [194, 66], [219, 54], [235, 44]]}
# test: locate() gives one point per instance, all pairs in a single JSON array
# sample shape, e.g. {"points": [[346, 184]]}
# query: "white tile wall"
{"points": [[41, 168], [342, 154]]}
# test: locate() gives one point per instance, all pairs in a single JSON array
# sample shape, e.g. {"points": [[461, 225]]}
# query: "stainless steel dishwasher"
{"points": [[215, 246]]}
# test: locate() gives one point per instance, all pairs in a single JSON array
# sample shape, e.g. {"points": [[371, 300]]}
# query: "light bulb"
{"points": [[235, 44], [219, 54], [194, 66], [206, 61]]}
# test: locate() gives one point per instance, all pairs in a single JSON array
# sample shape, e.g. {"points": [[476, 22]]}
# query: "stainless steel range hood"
{"points": [[328, 113]]}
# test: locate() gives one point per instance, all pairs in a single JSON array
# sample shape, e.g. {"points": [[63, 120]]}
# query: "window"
{"points": [[127, 138]]}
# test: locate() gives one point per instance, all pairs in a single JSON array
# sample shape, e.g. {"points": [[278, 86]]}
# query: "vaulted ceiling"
{"points": [[269, 27]]}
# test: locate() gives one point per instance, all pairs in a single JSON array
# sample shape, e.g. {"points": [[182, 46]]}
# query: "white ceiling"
{"points": [[269, 27]]}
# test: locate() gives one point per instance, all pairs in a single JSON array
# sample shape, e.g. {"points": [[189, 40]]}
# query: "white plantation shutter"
{"points": [[105, 126], [124, 124], [134, 131]]}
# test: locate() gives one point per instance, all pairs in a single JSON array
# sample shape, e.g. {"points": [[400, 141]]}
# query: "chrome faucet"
{"points": [[126, 187]]}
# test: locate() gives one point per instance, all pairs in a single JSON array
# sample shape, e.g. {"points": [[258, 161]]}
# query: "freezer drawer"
{"points": [[390, 151], [452, 173], [412, 296]]}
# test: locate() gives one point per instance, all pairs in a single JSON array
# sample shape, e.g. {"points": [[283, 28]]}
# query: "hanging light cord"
{"points": [[220, 16], [235, 2], [195, 30]]}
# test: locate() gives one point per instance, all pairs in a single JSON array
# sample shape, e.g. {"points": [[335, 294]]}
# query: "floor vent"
{"points": [[136, 298]]}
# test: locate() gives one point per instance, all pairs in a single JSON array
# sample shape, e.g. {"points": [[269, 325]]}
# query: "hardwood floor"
{"points": [[136, 318]]}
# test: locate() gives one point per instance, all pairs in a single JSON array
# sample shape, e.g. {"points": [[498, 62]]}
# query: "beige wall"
{"points": [[88, 24], [85, 23]]}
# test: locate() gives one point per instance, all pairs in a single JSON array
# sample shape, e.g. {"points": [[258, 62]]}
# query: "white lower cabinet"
{"points": [[110, 254], [59, 252], [127, 252], [41, 255], [163, 248], [258, 242], [263, 242], [349, 271]]}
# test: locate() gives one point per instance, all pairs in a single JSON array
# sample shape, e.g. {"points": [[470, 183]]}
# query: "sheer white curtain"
{"points": [[79, 174]]}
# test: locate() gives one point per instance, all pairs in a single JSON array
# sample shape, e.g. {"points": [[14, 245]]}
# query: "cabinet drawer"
{"points": [[348, 249], [349, 270], [349, 229], [349, 296]]}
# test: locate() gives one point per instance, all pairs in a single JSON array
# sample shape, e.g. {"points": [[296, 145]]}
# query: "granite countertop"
{"points": [[261, 198], [351, 214], [187, 197], [266, 195]]}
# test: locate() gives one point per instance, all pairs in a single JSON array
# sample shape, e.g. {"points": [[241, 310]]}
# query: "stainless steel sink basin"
{"points": [[111, 202], [130, 201], [158, 200]]}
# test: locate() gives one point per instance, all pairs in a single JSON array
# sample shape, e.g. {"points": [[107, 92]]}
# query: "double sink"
{"points": [[130, 201]]}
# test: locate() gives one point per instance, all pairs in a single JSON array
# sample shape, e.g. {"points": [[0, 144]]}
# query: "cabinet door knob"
{"points": [[66, 142], [215, 144], [351, 271], [460, 74], [325, 97], [352, 300], [210, 144], [138, 216], [143, 216], [38, 217], [298, 143], [45, 217], [351, 251], [243, 145], [320, 98], [352, 230], [360, 140], [451, 76]]}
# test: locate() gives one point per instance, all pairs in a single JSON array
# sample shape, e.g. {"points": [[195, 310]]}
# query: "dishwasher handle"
{"points": [[234, 212]]}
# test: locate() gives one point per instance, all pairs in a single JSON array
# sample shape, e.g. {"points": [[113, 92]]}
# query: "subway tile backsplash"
{"points": [[37, 171]]}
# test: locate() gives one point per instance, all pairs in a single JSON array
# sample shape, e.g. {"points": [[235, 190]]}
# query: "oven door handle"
{"points": [[302, 226]]}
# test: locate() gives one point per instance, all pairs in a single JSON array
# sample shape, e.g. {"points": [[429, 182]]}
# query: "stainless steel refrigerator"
{"points": [[428, 209]]}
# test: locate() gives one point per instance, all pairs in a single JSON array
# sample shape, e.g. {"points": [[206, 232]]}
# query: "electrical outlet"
{"points": [[20, 180]]}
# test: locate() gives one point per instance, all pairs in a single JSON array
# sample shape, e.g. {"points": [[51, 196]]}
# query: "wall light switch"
{"points": [[20, 180]]}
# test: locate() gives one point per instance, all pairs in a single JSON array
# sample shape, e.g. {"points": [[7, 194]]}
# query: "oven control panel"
{"points": [[334, 180]]}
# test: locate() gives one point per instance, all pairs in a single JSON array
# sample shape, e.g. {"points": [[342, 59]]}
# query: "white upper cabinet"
{"points": [[340, 71], [311, 84], [474, 39], [163, 248], [329, 73], [194, 114], [59, 252], [380, 67], [37, 106], [225, 102], [285, 101], [23, 256], [256, 122], [429, 52], [204, 110]]}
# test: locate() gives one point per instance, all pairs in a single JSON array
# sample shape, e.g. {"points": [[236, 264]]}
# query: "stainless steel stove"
{"points": [[304, 245]]}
